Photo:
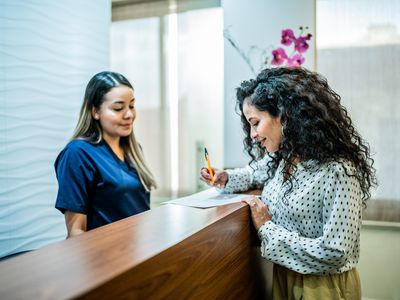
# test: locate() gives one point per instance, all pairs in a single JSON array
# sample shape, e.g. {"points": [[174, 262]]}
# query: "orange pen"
{"points": [[210, 170]]}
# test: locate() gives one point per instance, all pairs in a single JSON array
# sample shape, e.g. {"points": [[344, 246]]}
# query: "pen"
{"points": [[209, 165]]}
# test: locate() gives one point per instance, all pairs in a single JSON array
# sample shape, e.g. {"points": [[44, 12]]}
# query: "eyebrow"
{"points": [[122, 102]]}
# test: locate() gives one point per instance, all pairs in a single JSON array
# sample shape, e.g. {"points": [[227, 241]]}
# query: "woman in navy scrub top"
{"points": [[102, 175]]}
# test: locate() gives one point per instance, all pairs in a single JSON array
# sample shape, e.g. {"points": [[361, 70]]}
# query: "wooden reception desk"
{"points": [[171, 252]]}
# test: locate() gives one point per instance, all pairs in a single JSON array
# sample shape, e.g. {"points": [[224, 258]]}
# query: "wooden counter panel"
{"points": [[169, 252], [216, 263]]}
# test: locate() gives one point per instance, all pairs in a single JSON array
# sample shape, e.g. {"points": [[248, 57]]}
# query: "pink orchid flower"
{"points": [[279, 56], [287, 37], [295, 61], [301, 44]]}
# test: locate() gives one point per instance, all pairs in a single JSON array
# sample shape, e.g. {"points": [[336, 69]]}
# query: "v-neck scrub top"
{"points": [[93, 181]]}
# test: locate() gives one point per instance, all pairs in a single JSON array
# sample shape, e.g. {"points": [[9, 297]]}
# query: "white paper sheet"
{"points": [[207, 198]]}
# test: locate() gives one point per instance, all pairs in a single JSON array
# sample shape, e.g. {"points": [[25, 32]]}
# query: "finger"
{"points": [[250, 201], [244, 202], [205, 175], [253, 198], [207, 181], [204, 171], [247, 199]]}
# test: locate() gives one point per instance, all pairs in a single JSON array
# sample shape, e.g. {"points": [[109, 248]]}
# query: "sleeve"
{"points": [[249, 177], [342, 207], [75, 175]]}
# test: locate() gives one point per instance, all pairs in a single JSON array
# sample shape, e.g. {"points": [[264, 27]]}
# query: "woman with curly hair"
{"points": [[315, 172]]}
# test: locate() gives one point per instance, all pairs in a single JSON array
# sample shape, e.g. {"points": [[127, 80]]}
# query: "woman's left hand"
{"points": [[259, 211]]}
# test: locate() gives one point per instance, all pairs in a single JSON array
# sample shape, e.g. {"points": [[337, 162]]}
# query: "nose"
{"points": [[128, 114], [253, 133]]}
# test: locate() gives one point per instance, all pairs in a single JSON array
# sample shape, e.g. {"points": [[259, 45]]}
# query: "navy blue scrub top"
{"points": [[93, 181]]}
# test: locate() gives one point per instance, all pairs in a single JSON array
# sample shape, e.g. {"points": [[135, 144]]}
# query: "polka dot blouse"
{"points": [[315, 228]]}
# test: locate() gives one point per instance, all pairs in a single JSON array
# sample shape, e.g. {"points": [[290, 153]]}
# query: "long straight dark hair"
{"points": [[89, 129]]}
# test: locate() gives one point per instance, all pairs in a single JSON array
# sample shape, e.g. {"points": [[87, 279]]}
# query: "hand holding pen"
{"points": [[211, 176]]}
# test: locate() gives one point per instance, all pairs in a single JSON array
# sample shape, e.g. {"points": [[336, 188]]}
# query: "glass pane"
{"points": [[140, 51], [135, 52], [200, 88], [358, 51]]}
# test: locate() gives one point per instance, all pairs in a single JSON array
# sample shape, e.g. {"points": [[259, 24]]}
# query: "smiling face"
{"points": [[264, 128], [116, 113]]}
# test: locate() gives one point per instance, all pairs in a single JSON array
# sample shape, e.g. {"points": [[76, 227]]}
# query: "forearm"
{"points": [[299, 253], [76, 223], [239, 180], [75, 232]]}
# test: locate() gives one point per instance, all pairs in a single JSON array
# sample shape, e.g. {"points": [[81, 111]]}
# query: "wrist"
{"points": [[263, 226]]}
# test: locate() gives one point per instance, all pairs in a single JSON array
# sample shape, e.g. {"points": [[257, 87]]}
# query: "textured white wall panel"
{"points": [[48, 52]]}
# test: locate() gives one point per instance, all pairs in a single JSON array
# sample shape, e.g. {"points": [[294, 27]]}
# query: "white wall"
{"points": [[48, 52], [379, 264], [258, 23]]}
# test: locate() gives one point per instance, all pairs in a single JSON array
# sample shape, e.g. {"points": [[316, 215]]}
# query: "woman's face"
{"points": [[116, 113], [264, 128]]}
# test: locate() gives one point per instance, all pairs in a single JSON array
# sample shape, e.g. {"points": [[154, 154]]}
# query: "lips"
{"points": [[262, 142]]}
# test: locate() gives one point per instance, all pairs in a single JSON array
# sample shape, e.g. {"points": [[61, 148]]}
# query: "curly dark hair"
{"points": [[315, 124]]}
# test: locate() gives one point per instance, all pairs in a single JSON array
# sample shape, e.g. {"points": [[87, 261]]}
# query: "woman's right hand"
{"points": [[220, 177]]}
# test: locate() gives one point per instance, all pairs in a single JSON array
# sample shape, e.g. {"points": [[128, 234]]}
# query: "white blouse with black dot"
{"points": [[315, 227]]}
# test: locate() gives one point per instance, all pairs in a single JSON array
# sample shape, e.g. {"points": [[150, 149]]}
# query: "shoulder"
{"points": [[341, 172], [77, 150], [79, 145], [341, 167], [333, 170], [82, 147]]}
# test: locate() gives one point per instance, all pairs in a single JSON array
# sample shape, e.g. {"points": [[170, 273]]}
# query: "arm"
{"points": [[247, 178], [75, 176], [341, 218], [76, 223]]}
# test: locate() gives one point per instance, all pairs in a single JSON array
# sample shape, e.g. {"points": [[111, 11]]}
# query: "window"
{"points": [[358, 50], [178, 81]]}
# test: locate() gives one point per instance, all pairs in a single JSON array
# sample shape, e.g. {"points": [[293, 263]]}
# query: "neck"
{"points": [[112, 141], [115, 146]]}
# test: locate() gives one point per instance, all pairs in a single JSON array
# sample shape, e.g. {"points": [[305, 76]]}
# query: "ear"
{"points": [[95, 115]]}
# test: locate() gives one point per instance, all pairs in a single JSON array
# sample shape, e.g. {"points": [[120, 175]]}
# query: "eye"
{"points": [[132, 106], [117, 108]]}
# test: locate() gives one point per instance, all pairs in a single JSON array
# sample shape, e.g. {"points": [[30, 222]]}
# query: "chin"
{"points": [[125, 134], [271, 149]]}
